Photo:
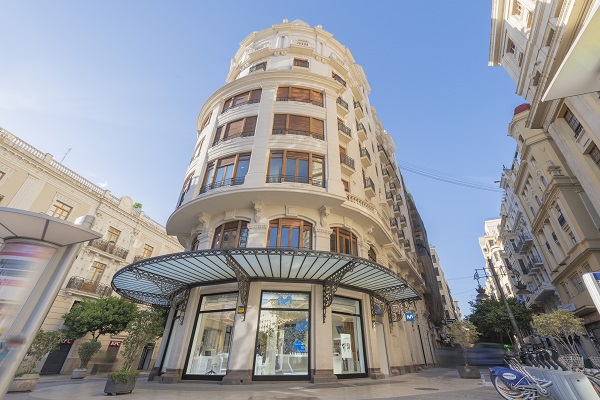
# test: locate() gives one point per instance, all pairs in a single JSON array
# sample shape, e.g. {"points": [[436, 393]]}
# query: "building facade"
{"points": [[32, 180], [300, 258], [556, 173]]}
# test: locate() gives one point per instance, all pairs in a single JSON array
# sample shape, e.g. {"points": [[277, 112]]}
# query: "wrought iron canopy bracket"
{"points": [[330, 285], [377, 301], [150, 299], [179, 301], [243, 280], [166, 285]]}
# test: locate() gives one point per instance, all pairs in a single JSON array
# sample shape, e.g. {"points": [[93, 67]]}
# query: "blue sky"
{"points": [[121, 83]]}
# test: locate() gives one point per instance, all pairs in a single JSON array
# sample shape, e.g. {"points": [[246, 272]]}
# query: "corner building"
{"points": [[298, 264]]}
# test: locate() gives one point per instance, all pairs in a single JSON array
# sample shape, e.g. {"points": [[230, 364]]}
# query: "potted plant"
{"points": [[145, 327], [43, 343], [105, 316], [464, 334], [86, 351]]}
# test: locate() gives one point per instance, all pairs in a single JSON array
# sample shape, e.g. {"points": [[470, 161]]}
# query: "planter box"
{"points": [[113, 387], [469, 372], [79, 373], [24, 383]]}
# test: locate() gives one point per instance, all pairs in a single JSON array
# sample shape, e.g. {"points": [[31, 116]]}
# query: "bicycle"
{"points": [[516, 383]]}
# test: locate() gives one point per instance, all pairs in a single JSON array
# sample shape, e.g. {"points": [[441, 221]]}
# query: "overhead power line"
{"points": [[454, 181]]}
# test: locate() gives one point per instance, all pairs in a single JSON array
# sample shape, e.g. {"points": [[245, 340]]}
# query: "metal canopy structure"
{"points": [[165, 281]]}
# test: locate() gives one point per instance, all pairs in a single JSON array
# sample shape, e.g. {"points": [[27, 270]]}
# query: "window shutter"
{"points": [[218, 135], [234, 128], [299, 123], [283, 92], [299, 94], [317, 126], [250, 124], [226, 161], [227, 104], [279, 122], [316, 97], [240, 98], [255, 95]]}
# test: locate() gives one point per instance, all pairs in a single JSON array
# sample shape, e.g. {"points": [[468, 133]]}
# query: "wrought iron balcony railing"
{"points": [[301, 100], [561, 220], [223, 183], [234, 136], [243, 103], [358, 105], [295, 179], [85, 285], [339, 79], [342, 103], [349, 161], [315, 135], [365, 153], [109, 247], [344, 129], [369, 184]]}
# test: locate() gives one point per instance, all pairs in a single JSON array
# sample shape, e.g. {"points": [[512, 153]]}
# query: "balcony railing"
{"points": [[357, 105], [397, 208], [140, 257], [234, 136], [295, 179], [369, 184], [403, 219], [315, 135], [349, 161], [536, 261], [339, 79], [301, 100], [344, 129], [109, 247], [365, 153], [223, 183], [85, 285], [525, 242], [342, 103], [360, 127], [243, 103], [389, 196], [301, 63], [393, 222]]}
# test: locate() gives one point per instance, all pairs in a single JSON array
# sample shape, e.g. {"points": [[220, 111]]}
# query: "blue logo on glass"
{"points": [[409, 316]]}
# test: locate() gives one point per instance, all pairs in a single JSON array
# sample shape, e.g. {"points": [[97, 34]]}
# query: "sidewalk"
{"points": [[436, 383]]}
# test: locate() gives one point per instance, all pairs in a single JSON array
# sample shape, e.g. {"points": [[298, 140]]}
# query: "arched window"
{"points": [[290, 233], [343, 241], [231, 235]]}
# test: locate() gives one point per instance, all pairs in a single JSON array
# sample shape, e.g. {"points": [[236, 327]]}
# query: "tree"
{"points": [[108, 315], [137, 206], [491, 319], [43, 343], [464, 334], [560, 325], [145, 327]]}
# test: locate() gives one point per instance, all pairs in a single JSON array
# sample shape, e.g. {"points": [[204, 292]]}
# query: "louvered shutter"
{"points": [[299, 123], [316, 98], [255, 95], [283, 92], [317, 128], [299, 94], [240, 98], [250, 124], [279, 124], [234, 128]]}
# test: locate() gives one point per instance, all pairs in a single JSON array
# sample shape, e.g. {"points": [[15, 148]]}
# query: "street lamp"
{"points": [[522, 290]]}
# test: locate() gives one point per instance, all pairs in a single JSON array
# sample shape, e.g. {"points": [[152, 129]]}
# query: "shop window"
{"points": [[231, 235], [343, 241], [282, 341], [242, 127], [250, 97], [211, 341], [348, 340], [293, 166], [291, 124], [290, 233], [227, 171]]}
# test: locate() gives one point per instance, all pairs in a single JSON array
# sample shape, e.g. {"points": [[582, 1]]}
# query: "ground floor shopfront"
{"points": [[241, 315]]}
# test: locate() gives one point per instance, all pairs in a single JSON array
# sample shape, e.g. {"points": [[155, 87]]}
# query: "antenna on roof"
{"points": [[62, 159]]}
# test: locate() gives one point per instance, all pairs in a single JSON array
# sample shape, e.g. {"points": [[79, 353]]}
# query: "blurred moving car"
{"points": [[486, 354]]}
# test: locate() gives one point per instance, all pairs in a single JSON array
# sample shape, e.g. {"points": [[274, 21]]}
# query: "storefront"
{"points": [[295, 314]]}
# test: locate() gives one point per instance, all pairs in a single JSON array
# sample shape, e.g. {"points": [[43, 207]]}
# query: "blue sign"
{"points": [[409, 316]]}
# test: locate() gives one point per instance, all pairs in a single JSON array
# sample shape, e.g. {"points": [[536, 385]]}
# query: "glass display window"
{"points": [[348, 339]]}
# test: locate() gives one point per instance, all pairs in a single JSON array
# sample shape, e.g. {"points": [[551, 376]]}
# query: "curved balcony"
{"points": [[85, 285], [315, 135], [223, 183], [296, 179], [243, 103], [231, 137], [109, 247]]}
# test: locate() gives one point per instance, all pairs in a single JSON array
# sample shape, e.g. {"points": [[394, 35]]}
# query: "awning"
{"points": [[579, 72], [165, 280]]}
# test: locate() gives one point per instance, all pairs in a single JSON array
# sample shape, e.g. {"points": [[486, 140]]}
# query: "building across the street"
{"points": [[302, 256], [32, 180]]}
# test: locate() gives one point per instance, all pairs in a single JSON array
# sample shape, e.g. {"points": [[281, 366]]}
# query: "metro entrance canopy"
{"points": [[165, 281]]}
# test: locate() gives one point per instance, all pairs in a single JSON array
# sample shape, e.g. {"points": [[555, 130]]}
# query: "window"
{"points": [[536, 78], [554, 237], [517, 8], [187, 184], [510, 47], [440, 285], [59, 209], [595, 154], [436, 270], [577, 282], [565, 287], [292, 93], [147, 252], [290, 124], [290, 233], [292, 166], [243, 127], [231, 235], [573, 123], [259, 67], [343, 241], [300, 63], [338, 78], [346, 185], [348, 351], [433, 258], [549, 37], [250, 97], [206, 121], [228, 171], [113, 235], [372, 254], [197, 150], [96, 271]]}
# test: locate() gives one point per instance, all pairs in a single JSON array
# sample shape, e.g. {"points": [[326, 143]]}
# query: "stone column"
{"points": [[322, 340], [257, 235], [322, 236]]}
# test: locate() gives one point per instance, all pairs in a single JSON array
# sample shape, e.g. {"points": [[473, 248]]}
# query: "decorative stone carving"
{"points": [[324, 211], [258, 210], [203, 220]]}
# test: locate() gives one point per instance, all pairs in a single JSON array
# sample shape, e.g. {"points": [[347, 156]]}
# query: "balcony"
{"points": [[361, 131], [544, 290], [394, 225], [401, 234], [407, 244], [346, 133], [234, 136], [399, 199], [315, 135], [347, 164], [397, 209], [139, 258], [386, 174], [301, 47], [109, 247], [84, 285], [295, 179], [369, 187], [524, 244], [241, 103], [365, 157], [403, 221], [339, 79], [382, 154], [358, 110], [342, 106], [389, 196], [223, 183], [259, 52]]}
